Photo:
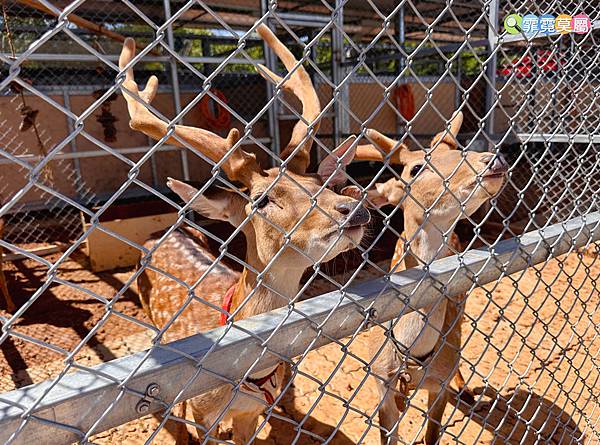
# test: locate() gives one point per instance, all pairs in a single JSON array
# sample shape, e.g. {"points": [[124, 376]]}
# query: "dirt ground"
{"points": [[531, 355]]}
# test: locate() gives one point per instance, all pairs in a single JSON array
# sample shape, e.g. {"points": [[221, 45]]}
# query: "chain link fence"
{"points": [[382, 228]]}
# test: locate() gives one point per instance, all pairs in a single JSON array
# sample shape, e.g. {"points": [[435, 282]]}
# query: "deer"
{"points": [[421, 349], [10, 305], [285, 233]]}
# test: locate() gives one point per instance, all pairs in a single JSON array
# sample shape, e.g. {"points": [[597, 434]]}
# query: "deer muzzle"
{"points": [[498, 168], [357, 214]]}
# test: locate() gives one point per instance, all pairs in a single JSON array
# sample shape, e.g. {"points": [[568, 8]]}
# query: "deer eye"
{"points": [[260, 201], [414, 171]]}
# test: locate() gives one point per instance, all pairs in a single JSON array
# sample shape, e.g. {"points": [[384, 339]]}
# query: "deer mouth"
{"points": [[354, 226], [498, 169], [494, 175], [351, 231], [361, 218], [354, 233]]}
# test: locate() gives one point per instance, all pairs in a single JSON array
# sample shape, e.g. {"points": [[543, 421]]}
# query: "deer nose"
{"points": [[498, 166], [359, 215]]}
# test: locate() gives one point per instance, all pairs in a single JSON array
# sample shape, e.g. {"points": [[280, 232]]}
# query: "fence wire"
{"points": [[396, 241]]}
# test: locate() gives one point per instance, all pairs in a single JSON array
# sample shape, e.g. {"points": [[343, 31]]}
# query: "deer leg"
{"points": [[388, 414], [436, 404], [465, 394], [244, 427], [10, 305], [206, 421], [174, 432], [459, 380], [144, 289]]}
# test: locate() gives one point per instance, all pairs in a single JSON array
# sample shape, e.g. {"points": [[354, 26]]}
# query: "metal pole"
{"points": [[154, 170], [273, 111], [313, 57], [457, 91], [79, 184], [185, 169], [45, 57], [341, 124], [491, 66], [401, 36], [206, 52], [104, 153]]}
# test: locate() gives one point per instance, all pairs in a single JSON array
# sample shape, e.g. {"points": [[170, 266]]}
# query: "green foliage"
{"points": [[470, 63], [21, 39], [201, 42]]}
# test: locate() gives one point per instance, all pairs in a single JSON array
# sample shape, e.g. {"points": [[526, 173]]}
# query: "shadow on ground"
{"points": [[517, 416]]}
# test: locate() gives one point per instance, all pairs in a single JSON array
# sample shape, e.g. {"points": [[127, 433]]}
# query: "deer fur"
{"points": [[434, 331], [275, 207]]}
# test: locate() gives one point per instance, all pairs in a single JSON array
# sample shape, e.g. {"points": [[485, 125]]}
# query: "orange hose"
{"points": [[221, 118], [404, 100]]}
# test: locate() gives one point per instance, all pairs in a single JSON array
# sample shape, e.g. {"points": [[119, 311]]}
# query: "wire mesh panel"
{"points": [[298, 222]]}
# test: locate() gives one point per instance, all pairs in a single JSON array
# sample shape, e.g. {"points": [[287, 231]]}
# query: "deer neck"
{"points": [[418, 332], [279, 286], [427, 241]]}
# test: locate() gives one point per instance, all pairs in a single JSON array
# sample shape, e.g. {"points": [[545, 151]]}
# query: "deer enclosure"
{"points": [[299, 222]]}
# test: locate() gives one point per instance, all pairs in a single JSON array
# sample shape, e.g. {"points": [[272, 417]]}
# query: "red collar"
{"points": [[226, 305], [258, 385]]}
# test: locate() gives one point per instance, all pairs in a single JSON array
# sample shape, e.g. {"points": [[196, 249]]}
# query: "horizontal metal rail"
{"points": [[78, 400], [50, 57], [420, 53], [124, 151], [560, 137]]}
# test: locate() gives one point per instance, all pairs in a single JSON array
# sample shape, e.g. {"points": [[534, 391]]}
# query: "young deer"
{"points": [[10, 305], [281, 206], [422, 349]]}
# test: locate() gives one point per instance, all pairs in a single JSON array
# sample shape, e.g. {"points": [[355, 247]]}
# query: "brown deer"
{"points": [[10, 305], [421, 349], [285, 233]]}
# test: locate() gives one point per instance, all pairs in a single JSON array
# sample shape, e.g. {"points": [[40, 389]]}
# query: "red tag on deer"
{"points": [[226, 305]]}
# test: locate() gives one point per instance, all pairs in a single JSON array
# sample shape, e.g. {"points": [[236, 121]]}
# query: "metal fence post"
{"points": [[401, 64], [79, 183], [185, 169], [491, 65], [273, 112], [341, 123]]}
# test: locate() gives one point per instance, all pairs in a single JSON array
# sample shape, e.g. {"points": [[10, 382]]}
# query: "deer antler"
{"points": [[382, 146], [240, 165], [301, 86]]}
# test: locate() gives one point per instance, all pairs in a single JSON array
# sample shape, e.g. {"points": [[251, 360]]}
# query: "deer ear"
{"points": [[376, 198], [448, 137], [390, 192], [344, 154], [218, 203]]}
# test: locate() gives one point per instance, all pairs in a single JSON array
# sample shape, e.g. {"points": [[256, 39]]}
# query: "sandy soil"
{"points": [[531, 345]]}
